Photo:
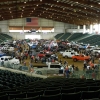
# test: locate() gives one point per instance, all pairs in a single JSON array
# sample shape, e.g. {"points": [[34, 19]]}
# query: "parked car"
{"points": [[41, 54], [9, 60], [10, 49], [5, 47], [2, 54], [34, 46], [69, 53], [96, 50], [90, 48], [80, 57]]}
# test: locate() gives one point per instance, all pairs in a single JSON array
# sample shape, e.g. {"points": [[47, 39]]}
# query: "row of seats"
{"points": [[41, 89], [70, 37], [82, 95], [10, 79], [65, 36], [79, 37], [58, 35], [74, 36], [6, 35], [50, 90]]}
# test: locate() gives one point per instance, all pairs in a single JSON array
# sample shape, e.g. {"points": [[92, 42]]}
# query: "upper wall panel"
{"points": [[16, 22]]}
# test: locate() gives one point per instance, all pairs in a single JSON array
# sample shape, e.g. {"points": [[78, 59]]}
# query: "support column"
{"points": [[84, 29], [98, 28], [78, 27], [91, 29]]}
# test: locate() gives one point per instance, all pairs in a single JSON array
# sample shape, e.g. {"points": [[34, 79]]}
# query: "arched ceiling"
{"points": [[77, 12]]}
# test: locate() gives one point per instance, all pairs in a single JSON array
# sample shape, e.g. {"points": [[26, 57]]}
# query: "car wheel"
{"points": [[66, 56], [87, 60], [75, 59]]}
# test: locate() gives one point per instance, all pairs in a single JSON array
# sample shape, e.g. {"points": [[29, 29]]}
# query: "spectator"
{"points": [[67, 72], [73, 66], [32, 58], [2, 63]]}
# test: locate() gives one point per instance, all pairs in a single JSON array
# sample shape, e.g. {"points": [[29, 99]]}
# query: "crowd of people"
{"points": [[23, 52]]}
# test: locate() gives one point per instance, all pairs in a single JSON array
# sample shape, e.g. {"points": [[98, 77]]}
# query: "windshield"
{"points": [[10, 58]]}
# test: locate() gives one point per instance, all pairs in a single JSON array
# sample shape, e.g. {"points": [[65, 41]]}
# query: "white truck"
{"points": [[97, 50], [69, 53], [52, 68], [9, 59], [7, 48]]}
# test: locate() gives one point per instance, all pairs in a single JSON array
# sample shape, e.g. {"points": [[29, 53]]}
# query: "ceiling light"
{"points": [[76, 2], [32, 11], [57, 1], [40, 0], [91, 6], [24, 2], [71, 4], [36, 5], [99, 3], [85, 8]]}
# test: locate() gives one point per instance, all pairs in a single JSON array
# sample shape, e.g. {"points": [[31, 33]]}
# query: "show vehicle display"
{"points": [[9, 60], [69, 53], [80, 57], [51, 68]]}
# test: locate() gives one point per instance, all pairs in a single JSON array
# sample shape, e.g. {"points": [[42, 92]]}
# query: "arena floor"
{"points": [[69, 60]]}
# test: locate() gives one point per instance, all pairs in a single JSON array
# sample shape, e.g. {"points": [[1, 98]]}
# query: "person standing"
{"points": [[67, 72]]}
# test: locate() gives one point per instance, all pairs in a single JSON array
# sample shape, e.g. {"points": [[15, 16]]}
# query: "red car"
{"points": [[80, 57], [41, 54]]}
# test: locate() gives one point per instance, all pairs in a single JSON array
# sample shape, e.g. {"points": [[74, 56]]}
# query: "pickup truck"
{"points": [[80, 57], [7, 48], [52, 68], [69, 53], [9, 59]]}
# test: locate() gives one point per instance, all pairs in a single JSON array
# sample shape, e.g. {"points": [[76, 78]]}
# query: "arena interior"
{"points": [[49, 50]]}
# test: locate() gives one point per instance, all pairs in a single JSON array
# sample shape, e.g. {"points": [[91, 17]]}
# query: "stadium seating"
{"points": [[47, 89], [58, 36], [81, 37], [6, 36], [74, 36], [65, 36]]}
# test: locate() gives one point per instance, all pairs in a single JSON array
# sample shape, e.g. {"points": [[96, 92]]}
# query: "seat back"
{"points": [[51, 97], [71, 96], [71, 90], [37, 93], [51, 92]]}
